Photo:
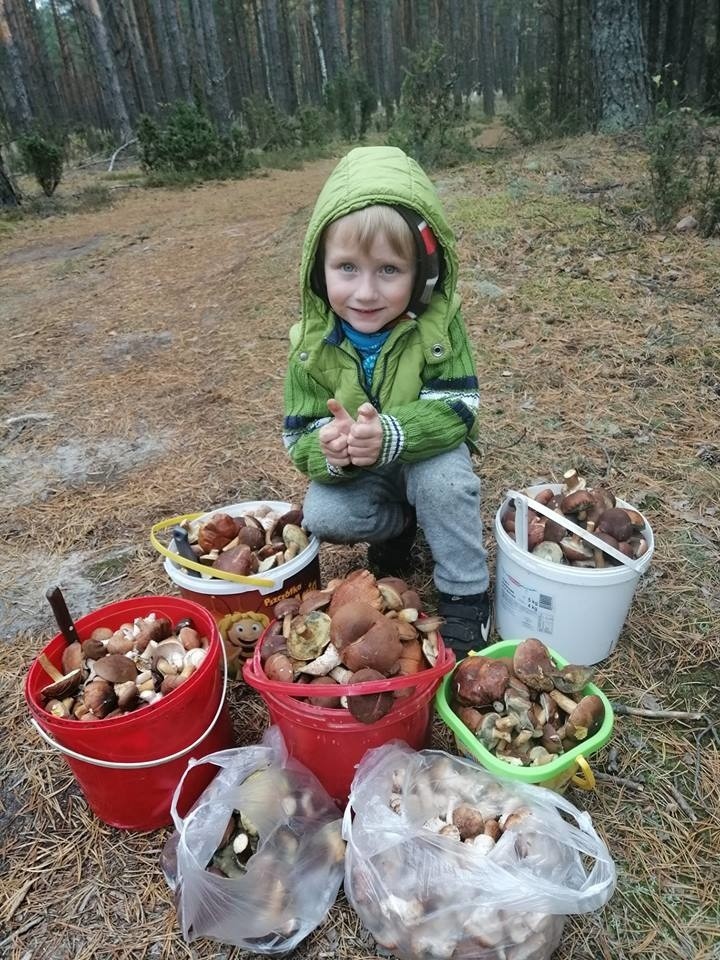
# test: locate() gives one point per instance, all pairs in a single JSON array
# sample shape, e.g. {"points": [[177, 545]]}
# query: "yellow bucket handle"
{"points": [[583, 778], [191, 564]]}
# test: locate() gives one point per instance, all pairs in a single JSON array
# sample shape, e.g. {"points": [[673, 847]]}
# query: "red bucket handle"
{"points": [[254, 676]]}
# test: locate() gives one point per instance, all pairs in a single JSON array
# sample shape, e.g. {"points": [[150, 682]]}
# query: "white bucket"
{"points": [[576, 611], [230, 602]]}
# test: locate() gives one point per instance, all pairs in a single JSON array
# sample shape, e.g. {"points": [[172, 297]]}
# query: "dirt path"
{"points": [[143, 353]]}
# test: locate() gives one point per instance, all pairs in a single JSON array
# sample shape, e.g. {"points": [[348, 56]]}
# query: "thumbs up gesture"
{"points": [[334, 435], [365, 437]]}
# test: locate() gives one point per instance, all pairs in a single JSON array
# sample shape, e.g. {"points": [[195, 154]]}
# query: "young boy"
{"points": [[381, 392]]}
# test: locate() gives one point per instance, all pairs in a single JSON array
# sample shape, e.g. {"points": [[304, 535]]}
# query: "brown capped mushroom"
{"points": [[370, 707], [379, 648], [586, 719], [99, 697], [478, 681], [115, 668], [532, 664]]}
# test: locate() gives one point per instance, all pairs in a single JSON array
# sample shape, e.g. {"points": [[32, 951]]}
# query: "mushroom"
{"points": [[327, 702], [370, 707], [216, 532], [115, 668], [478, 681], [99, 697], [63, 685], [380, 648], [237, 560], [532, 664], [309, 635], [586, 719], [549, 550], [352, 621]]}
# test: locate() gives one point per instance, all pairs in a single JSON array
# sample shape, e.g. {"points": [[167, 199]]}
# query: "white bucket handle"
{"points": [[140, 764], [521, 529]]}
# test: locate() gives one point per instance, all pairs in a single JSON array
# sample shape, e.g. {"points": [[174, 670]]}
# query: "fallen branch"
{"points": [[620, 781], [622, 709], [121, 147], [682, 802]]}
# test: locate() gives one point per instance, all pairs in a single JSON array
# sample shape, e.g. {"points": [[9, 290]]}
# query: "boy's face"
{"points": [[368, 290]]}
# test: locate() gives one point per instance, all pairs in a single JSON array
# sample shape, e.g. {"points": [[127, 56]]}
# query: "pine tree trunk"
{"points": [[23, 109], [319, 48], [487, 56], [9, 197], [107, 72], [334, 49], [69, 74], [697, 52], [220, 105], [143, 79], [620, 69], [178, 44], [53, 106], [167, 67]]}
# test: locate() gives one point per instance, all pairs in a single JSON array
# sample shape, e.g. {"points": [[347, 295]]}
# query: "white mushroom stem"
{"points": [[322, 665], [341, 674], [564, 702]]}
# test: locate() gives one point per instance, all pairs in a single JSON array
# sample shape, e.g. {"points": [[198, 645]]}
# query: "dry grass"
{"points": [[142, 364]]}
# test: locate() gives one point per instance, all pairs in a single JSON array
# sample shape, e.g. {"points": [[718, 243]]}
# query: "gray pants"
{"points": [[373, 507]]}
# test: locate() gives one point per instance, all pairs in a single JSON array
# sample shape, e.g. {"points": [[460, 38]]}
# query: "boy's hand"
{"points": [[365, 438], [334, 436]]}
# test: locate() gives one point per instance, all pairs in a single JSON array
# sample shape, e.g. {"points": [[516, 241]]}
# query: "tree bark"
{"points": [[9, 196], [143, 78], [319, 48], [178, 44], [170, 85], [69, 74], [697, 52], [334, 48], [220, 104], [109, 79], [20, 92], [620, 69], [487, 66]]}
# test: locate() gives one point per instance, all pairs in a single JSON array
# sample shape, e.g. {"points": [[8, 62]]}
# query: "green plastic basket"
{"points": [[570, 766]]}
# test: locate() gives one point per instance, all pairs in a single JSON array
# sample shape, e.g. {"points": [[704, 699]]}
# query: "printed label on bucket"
{"points": [[533, 609]]}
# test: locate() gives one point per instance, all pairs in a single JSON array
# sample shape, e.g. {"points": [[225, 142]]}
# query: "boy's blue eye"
{"points": [[390, 269], [347, 267]]}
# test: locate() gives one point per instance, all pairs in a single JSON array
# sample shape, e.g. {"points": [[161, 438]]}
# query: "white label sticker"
{"points": [[533, 609]]}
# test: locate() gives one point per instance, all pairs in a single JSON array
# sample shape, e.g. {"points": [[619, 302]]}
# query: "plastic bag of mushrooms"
{"points": [[258, 861], [446, 862], [595, 510]]}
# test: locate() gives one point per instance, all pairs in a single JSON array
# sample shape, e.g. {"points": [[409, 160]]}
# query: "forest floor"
{"points": [[143, 352]]}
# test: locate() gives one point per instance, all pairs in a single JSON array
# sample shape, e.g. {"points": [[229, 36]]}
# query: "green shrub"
{"points": [[314, 126], [351, 101], [266, 127], [673, 143], [44, 159], [427, 123], [709, 199], [188, 144]]}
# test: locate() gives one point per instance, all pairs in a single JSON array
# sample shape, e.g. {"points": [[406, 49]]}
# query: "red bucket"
{"points": [[331, 742], [128, 767]]}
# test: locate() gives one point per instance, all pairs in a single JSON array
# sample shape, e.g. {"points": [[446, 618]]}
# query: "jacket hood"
{"points": [[376, 175]]}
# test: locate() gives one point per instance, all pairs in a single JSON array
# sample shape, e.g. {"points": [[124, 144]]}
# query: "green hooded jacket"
{"points": [[424, 385]]}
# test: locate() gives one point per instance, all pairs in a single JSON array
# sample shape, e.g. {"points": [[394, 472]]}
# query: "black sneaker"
{"points": [[467, 622], [391, 558]]}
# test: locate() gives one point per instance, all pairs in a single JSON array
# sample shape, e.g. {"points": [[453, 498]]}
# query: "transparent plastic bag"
{"points": [[293, 877], [499, 894]]}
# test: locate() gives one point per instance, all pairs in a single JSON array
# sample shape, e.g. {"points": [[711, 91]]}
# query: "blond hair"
{"points": [[362, 226]]}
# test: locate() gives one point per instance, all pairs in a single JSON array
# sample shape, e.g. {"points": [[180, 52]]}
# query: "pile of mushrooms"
{"points": [[114, 672], [251, 543], [592, 508], [423, 902], [355, 630], [525, 710], [301, 833]]}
